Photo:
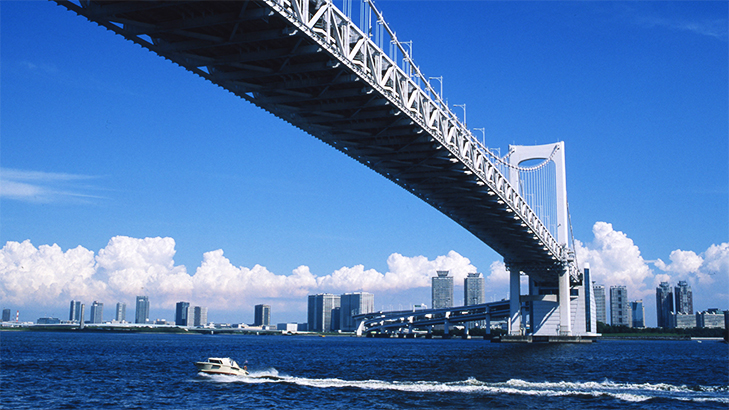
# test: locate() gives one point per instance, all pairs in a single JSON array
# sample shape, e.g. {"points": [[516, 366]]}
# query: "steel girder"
{"points": [[305, 62]]}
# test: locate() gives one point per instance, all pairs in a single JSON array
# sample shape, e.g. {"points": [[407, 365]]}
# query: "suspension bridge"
{"points": [[310, 64]]}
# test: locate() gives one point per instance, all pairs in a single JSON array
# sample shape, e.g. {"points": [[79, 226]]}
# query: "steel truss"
{"points": [[307, 63]]}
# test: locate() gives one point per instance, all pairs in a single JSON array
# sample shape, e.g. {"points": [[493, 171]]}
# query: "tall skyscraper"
{"points": [[619, 306], [121, 312], [141, 314], [261, 315], [200, 316], [97, 312], [637, 313], [442, 290], [684, 298], [354, 304], [182, 311], [75, 312], [474, 294], [6, 315], [599, 291], [664, 305], [320, 312], [473, 289]]}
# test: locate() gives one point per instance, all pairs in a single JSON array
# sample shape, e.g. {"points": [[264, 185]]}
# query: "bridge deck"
{"points": [[258, 51]]}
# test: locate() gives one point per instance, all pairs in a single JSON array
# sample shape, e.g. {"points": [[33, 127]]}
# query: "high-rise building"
{"points": [[320, 312], [664, 305], [262, 315], [637, 313], [97, 312], [473, 289], [354, 304], [121, 312], [75, 312], [82, 316], [684, 298], [6, 315], [182, 314], [619, 306], [474, 294], [599, 292], [141, 314], [200, 316], [442, 290]]}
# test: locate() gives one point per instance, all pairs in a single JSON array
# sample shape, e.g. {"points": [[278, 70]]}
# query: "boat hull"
{"points": [[214, 368]]}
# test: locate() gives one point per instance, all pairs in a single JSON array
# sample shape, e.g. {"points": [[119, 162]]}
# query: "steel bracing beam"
{"points": [[306, 62]]}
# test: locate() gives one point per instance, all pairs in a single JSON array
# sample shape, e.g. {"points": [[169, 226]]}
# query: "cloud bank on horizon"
{"points": [[127, 267]]}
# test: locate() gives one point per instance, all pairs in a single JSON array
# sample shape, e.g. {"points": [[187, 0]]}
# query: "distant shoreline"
{"points": [[258, 332], [166, 329]]}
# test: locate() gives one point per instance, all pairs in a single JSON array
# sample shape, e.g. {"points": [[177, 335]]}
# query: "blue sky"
{"points": [[149, 179]]}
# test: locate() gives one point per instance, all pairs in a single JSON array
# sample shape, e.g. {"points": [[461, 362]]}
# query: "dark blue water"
{"points": [[106, 370]]}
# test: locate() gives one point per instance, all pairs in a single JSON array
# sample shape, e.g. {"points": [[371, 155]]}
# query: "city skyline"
{"points": [[86, 209]]}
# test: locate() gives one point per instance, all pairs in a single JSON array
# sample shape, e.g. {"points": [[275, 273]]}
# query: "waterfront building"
{"points": [[683, 320], [182, 314], [262, 315], [619, 306], [442, 290], [75, 312], [97, 312], [200, 316], [474, 294], [599, 292], [121, 312], [473, 289], [319, 313], [637, 313], [354, 304], [48, 321], [684, 298], [287, 327], [711, 318], [141, 314], [6, 315], [664, 305]]}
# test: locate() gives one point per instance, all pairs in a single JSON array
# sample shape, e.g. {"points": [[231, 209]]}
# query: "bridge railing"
{"points": [[333, 30]]}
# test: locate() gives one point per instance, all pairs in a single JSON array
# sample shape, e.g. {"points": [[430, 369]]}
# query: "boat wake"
{"points": [[629, 392]]}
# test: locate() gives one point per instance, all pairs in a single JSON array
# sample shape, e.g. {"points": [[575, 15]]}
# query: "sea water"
{"points": [[64, 370]]}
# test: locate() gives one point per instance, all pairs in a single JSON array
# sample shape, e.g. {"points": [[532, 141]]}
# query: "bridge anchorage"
{"points": [[308, 63]]}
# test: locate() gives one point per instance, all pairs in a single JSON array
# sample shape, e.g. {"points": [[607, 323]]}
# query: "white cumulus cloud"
{"points": [[127, 267], [403, 273], [46, 274], [704, 268], [615, 260]]}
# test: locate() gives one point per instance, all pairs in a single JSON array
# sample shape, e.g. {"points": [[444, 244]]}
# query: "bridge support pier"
{"points": [[514, 302], [565, 322]]}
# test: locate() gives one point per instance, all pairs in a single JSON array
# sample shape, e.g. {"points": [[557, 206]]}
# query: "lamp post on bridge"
{"points": [[464, 112], [483, 131], [440, 80]]}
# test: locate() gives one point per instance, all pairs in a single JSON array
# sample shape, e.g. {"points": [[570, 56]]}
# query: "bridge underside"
{"points": [[252, 50]]}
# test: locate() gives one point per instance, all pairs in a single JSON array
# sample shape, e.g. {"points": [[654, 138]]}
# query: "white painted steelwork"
{"points": [[306, 62]]}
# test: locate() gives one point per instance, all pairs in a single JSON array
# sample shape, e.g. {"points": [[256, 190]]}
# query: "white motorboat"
{"points": [[221, 365]]}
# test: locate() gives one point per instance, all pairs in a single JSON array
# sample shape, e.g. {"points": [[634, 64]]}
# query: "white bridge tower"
{"points": [[567, 309]]}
